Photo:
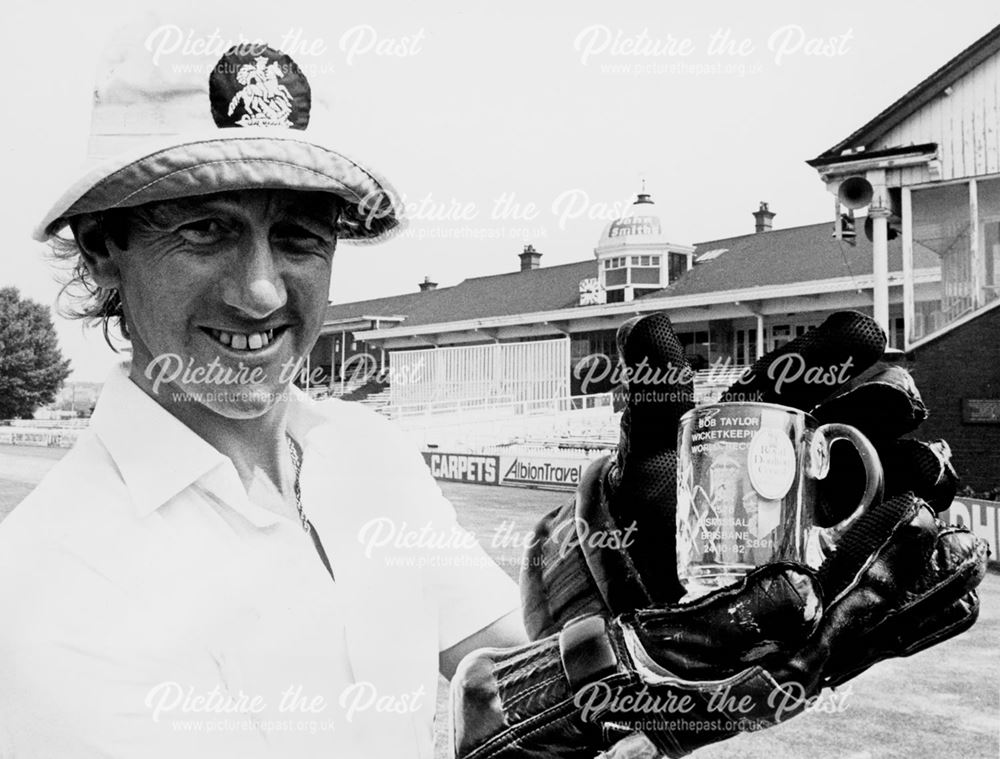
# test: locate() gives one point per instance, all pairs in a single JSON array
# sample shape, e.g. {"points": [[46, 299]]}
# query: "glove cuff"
{"points": [[519, 704]]}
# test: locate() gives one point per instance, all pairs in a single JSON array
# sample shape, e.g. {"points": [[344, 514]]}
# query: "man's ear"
{"points": [[93, 244]]}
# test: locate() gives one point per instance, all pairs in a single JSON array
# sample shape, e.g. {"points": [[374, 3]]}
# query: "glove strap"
{"points": [[586, 651]]}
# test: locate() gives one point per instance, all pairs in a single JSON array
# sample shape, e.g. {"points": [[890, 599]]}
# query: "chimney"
{"points": [[427, 285], [529, 258], [763, 217]]}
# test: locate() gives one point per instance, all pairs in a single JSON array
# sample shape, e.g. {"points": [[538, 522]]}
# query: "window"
{"points": [[645, 271], [896, 333], [615, 277], [616, 296], [646, 275], [780, 334], [697, 344], [593, 356], [988, 238], [745, 348], [941, 227], [678, 265]]}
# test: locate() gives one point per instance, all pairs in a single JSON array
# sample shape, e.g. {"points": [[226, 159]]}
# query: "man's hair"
{"points": [[80, 297]]}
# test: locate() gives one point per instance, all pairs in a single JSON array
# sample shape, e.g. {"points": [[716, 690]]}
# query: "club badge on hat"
{"points": [[259, 90], [164, 128]]}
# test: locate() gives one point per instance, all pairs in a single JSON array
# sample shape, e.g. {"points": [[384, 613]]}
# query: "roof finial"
{"points": [[643, 196]]}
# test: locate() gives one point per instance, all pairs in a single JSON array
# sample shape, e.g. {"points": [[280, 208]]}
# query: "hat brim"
{"points": [[250, 158]]}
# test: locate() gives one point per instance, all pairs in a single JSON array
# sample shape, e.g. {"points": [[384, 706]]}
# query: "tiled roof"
{"points": [[544, 289], [785, 256], [777, 257], [392, 305]]}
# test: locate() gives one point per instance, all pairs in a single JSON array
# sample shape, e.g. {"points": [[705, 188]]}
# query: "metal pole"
{"points": [[978, 263], [333, 363], [880, 266], [343, 350], [879, 211], [909, 295]]}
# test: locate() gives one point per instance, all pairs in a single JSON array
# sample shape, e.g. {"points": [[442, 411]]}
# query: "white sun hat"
{"points": [[191, 110]]}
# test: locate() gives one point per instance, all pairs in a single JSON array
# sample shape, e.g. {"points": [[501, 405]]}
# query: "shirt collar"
{"points": [[304, 415], [159, 456]]}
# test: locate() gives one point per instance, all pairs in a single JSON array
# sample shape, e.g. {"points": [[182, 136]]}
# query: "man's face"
{"points": [[224, 294]]}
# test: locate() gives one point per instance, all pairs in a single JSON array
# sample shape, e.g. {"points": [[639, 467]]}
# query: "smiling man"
{"points": [[194, 580], [222, 295], [190, 579]]}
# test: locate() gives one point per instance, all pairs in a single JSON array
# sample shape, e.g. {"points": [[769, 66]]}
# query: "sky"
{"points": [[501, 124]]}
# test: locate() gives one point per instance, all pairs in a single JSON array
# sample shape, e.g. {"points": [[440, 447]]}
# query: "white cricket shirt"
{"points": [[149, 609]]}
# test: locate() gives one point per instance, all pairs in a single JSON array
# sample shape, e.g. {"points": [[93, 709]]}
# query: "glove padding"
{"points": [[742, 658], [578, 692], [899, 582], [566, 573], [916, 590]]}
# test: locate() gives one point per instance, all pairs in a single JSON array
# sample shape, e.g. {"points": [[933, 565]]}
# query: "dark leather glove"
{"points": [[899, 581], [635, 488], [740, 659], [663, 671], [635, 492]]}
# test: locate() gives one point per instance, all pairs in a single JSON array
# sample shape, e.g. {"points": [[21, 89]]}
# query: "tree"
{"points": [[32, 368]]}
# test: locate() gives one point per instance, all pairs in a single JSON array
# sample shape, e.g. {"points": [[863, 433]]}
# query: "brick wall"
{"points": [[965, 363]]}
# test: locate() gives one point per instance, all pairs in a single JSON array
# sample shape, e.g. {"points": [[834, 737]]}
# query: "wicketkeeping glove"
{"points": [[899, 580]]}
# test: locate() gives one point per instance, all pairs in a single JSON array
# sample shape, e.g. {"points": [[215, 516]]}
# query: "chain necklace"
{"points": [[293, 449]]}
